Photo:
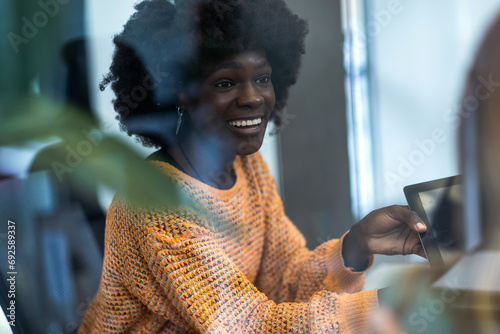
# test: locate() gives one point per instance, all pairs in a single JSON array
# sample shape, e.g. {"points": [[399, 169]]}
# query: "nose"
{"points": [[249, 96]]}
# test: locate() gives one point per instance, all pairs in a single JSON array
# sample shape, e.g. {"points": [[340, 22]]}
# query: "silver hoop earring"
{"points": [[180, 112]]}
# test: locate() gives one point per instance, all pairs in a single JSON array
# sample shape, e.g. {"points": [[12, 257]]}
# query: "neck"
{"points": [[206, 160]]}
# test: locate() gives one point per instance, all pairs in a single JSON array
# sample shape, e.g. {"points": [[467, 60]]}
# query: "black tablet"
{"points": [[439, 203]]}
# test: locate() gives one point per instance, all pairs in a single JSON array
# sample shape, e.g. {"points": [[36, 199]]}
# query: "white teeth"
{"points": [[246, 123]]}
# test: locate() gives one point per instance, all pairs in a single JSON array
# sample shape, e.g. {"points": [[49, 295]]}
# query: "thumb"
{"points": [[404, 215]]}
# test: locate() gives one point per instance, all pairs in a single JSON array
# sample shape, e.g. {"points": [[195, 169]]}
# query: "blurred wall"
{"points": [[315, 167], [420, 57]]}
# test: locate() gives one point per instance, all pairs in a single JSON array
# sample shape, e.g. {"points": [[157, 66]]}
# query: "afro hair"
{"points": [[164, 46]]}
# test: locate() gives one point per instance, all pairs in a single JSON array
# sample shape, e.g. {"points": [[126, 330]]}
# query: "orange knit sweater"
{"points": [[240, 267]]}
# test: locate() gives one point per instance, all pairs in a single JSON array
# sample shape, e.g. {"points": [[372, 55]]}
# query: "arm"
{"points": [[181, 264], [335, 264], [289, 270]]}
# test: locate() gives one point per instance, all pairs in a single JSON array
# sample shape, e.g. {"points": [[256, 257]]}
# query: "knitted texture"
{"points": [[237, 266]]}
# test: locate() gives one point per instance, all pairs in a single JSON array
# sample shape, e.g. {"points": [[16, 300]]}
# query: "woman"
{"points": [[233, 262]]}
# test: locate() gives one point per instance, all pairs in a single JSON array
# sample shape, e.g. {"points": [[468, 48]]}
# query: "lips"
{"points": [[246, 126], [246, 123]]}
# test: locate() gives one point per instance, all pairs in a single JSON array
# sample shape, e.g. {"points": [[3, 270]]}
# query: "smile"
{"points": [[246, 123]]}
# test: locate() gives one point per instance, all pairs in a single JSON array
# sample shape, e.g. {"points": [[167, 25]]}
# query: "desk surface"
{"points": [[478, 271]]}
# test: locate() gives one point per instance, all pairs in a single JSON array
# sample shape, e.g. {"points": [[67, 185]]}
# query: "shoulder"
{"points": [[166, 220]]}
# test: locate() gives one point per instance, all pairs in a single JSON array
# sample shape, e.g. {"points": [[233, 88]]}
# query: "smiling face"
{"points": [[234, 103]]}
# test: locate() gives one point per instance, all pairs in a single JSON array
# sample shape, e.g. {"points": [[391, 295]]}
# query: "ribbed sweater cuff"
{"points": [[339, 276], [357, 311]]}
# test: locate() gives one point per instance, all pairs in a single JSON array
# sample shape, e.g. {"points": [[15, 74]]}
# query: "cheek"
{"points": [[216, 105], [270, 99], [210, 110]]}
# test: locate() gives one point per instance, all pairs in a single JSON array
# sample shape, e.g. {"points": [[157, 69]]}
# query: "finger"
{"points": [[416, 245], [416, 223], [408, 217], [420, 250]]}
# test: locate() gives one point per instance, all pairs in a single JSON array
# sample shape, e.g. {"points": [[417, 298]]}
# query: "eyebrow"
{"points": [[236, 65]]}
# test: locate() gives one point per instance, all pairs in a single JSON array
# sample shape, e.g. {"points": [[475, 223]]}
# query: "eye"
{"points": [[224, 84], [264, 79]]}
